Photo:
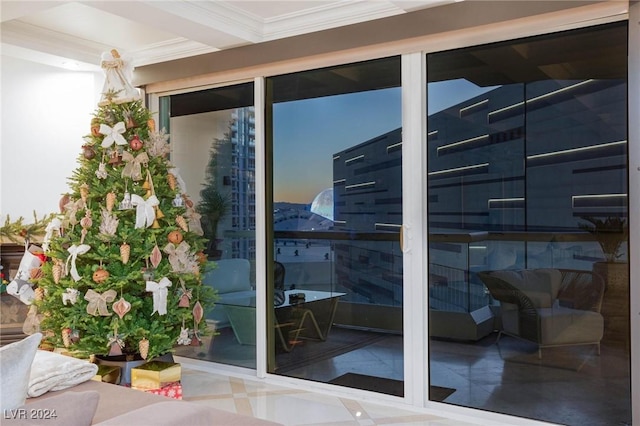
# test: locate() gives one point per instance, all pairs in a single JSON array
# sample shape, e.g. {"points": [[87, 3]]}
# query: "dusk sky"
{"points": [[308, 132]]}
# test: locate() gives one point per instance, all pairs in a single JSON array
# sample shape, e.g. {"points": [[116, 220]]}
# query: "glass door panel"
{"points": [[528, 217], [212, 139], [336, 139]]}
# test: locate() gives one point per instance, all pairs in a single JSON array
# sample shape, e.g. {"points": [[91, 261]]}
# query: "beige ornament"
{"points": [[84, 192], [39, 293], [66, 337], [111, 201], [182, 223], [86, 221], [121, 307], [56, 270], [100, 275], [125, 252], [143, 348], [173, 183]]}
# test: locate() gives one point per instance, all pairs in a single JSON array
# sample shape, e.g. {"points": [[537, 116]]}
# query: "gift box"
{"points": [[155, 375], [108, 374], [172, 390]]}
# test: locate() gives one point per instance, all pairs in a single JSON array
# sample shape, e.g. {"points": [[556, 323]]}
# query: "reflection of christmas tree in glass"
{"points": [[126, 257]]}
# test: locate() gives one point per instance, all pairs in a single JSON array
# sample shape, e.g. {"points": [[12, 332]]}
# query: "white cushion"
{"points": [[15, 366]]}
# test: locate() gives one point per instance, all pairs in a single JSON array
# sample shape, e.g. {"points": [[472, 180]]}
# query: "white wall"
{"points": [[45, 113]]}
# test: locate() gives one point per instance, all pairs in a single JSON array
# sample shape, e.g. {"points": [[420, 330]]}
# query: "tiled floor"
{"points": [[572, 385], [291, 406]]}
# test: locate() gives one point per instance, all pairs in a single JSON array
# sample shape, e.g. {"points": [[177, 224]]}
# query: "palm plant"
{"points": [[611, 233]]}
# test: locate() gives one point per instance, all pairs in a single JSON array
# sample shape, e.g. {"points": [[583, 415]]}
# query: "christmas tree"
{"points": [[125, 255]]}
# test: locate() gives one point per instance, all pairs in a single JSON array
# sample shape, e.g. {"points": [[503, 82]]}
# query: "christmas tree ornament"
{"points": [[101, 173], [160, 291], [133, 165], [173, 183], [175, 237], [66, 337], [195, 225], [125, 252], [35, 274], [145, 211], [130, 123], [198, 313], [74, 252], [179, 257], [84, 192], [97, 305], [110, 200], [88, 152], [39, 293], [185, 295], [156, 256], [177, 201], [143, 348], [70, 295], [56, 271], [158, 145], [135, 143], [64, 200], [117, 88], [115, 158], [151, 124], [113, 135], [183, 338], [109, 224], [100, 275], [86, 222], [54, 226], [95, 127], [121, 307], [182, 223], [126, 204], [115, 342]]}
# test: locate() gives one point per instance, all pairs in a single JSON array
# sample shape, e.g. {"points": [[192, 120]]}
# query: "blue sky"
{"points": [[308, 132]]}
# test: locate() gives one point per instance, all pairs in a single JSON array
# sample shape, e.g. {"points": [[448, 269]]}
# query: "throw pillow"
{"points": [[66, 409], [15, 367]]}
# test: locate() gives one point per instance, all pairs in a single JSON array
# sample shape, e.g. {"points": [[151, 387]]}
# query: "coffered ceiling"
{"points": [[74, 34]]}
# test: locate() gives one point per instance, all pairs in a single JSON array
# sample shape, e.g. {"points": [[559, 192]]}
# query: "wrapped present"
{"points": [[108, 374], [171, 390], [155, 375]]}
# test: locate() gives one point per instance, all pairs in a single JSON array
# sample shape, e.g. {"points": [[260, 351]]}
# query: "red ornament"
{"points": [[135, 143]]}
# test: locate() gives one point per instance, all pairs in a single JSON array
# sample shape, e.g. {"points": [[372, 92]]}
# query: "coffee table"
{"points": [[308, 319]]}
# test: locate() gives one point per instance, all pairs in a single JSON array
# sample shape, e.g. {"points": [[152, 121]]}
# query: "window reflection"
{"points": [[337, 209], [213, 146], [527, 179]]}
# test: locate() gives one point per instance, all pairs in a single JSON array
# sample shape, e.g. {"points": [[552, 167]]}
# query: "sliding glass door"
{"points": [[335, 288], [212, 139], [528, 217]]}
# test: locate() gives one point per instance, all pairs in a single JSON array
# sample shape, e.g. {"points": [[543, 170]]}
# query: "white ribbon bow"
{"points": [[133, 168], [113, 134], [160, 292], [54, 225], [74, 252], [145, 212], [22, 290]]}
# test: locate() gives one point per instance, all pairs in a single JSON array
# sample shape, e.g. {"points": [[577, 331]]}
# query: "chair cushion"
{"points": [[562, 325], [539, 285]]}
